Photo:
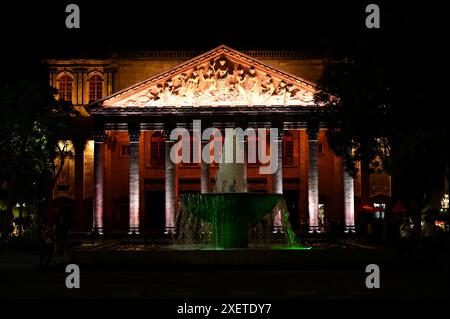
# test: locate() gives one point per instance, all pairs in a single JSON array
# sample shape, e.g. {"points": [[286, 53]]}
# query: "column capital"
{"points": [[169, 124], [312, 129], [280, 134], [277, 121], [99, 135], [134, 135], [79, 143], [166, 132], [168, 128]]}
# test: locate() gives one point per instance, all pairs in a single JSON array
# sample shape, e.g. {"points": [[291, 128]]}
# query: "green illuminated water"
{"points": [[223, 220], [293, 247]]}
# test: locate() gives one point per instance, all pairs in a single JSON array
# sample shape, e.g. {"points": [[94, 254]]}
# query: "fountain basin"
{"points": [[229, 214]]}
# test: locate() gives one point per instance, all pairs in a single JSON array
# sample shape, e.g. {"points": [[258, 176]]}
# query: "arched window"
{"points": [[65, 87], [288, 149], [95, 87], [157, 149]]}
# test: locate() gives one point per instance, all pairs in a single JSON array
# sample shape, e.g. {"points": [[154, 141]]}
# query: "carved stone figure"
{"points": [[267, 86], [282, 93], [192, 84], [209, 86], [240, 80], [181, 88], [222, 82]]}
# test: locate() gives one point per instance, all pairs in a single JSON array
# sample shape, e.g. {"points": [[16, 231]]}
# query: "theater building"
{"points": [[121, 178]]}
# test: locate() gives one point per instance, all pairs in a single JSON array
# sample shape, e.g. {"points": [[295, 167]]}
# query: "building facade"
{"points": [[121, 178]]}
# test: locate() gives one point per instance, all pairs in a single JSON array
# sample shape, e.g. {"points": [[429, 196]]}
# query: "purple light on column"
{"points": [[169, 191], [313, 187], [98, 189], [349, 200], [277, 186], [134, 182]]}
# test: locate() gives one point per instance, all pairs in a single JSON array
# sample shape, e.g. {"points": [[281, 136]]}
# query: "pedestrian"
{"points": [[405, 238], [46, 242], [426, 237], [61, 231]]}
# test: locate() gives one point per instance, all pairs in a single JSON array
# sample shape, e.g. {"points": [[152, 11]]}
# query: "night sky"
{"points": [[35, 30]]}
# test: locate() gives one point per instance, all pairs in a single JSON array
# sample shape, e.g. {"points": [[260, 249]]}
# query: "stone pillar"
{"points": [[277, 180], [109, 80], [134, 181], [79, 184], [80, 75], [52, 76], [99, 138], [349, 201], [313, 178], [204, 173], [277, 177], [170, 190]]}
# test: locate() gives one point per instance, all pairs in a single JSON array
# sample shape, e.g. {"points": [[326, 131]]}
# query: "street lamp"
{"points": [[444, 203]]}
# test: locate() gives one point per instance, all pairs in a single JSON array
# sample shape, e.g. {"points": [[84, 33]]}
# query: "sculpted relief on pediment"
{"points": [[219, 82]]}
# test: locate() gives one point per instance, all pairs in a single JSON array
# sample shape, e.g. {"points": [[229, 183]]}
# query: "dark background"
{"points": [[34, 30]]}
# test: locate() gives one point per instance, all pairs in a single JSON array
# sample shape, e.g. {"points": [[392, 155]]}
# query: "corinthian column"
{"points": [[97, 223], [277, 180], [169, 190], [313, 178], [277, 177], [134, 181], [349, 201]]}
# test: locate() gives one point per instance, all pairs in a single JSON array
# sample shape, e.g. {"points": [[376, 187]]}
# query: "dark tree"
{"points": [[32, 124], [387, 118]]}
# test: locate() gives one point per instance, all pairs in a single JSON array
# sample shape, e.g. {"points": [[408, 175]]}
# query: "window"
{"points": [[288, 149], [124, 150], [157, 149], [95, 88], [65, 87]]}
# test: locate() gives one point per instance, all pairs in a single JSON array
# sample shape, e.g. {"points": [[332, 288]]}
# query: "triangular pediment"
{"points": [[220, 77]]}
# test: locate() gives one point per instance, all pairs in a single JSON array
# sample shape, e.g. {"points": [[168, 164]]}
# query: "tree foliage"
{"points": [[386, 121], [32, 124]]}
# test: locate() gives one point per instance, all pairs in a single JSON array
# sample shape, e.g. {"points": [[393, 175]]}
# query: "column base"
{"points": [[97, 230], [169, 230], [314, 229], [350, 229], [133, 231], [277, 230]]}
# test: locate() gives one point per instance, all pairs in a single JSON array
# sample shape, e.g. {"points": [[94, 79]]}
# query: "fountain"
{"points": [[223, 218], [213, 227]]}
